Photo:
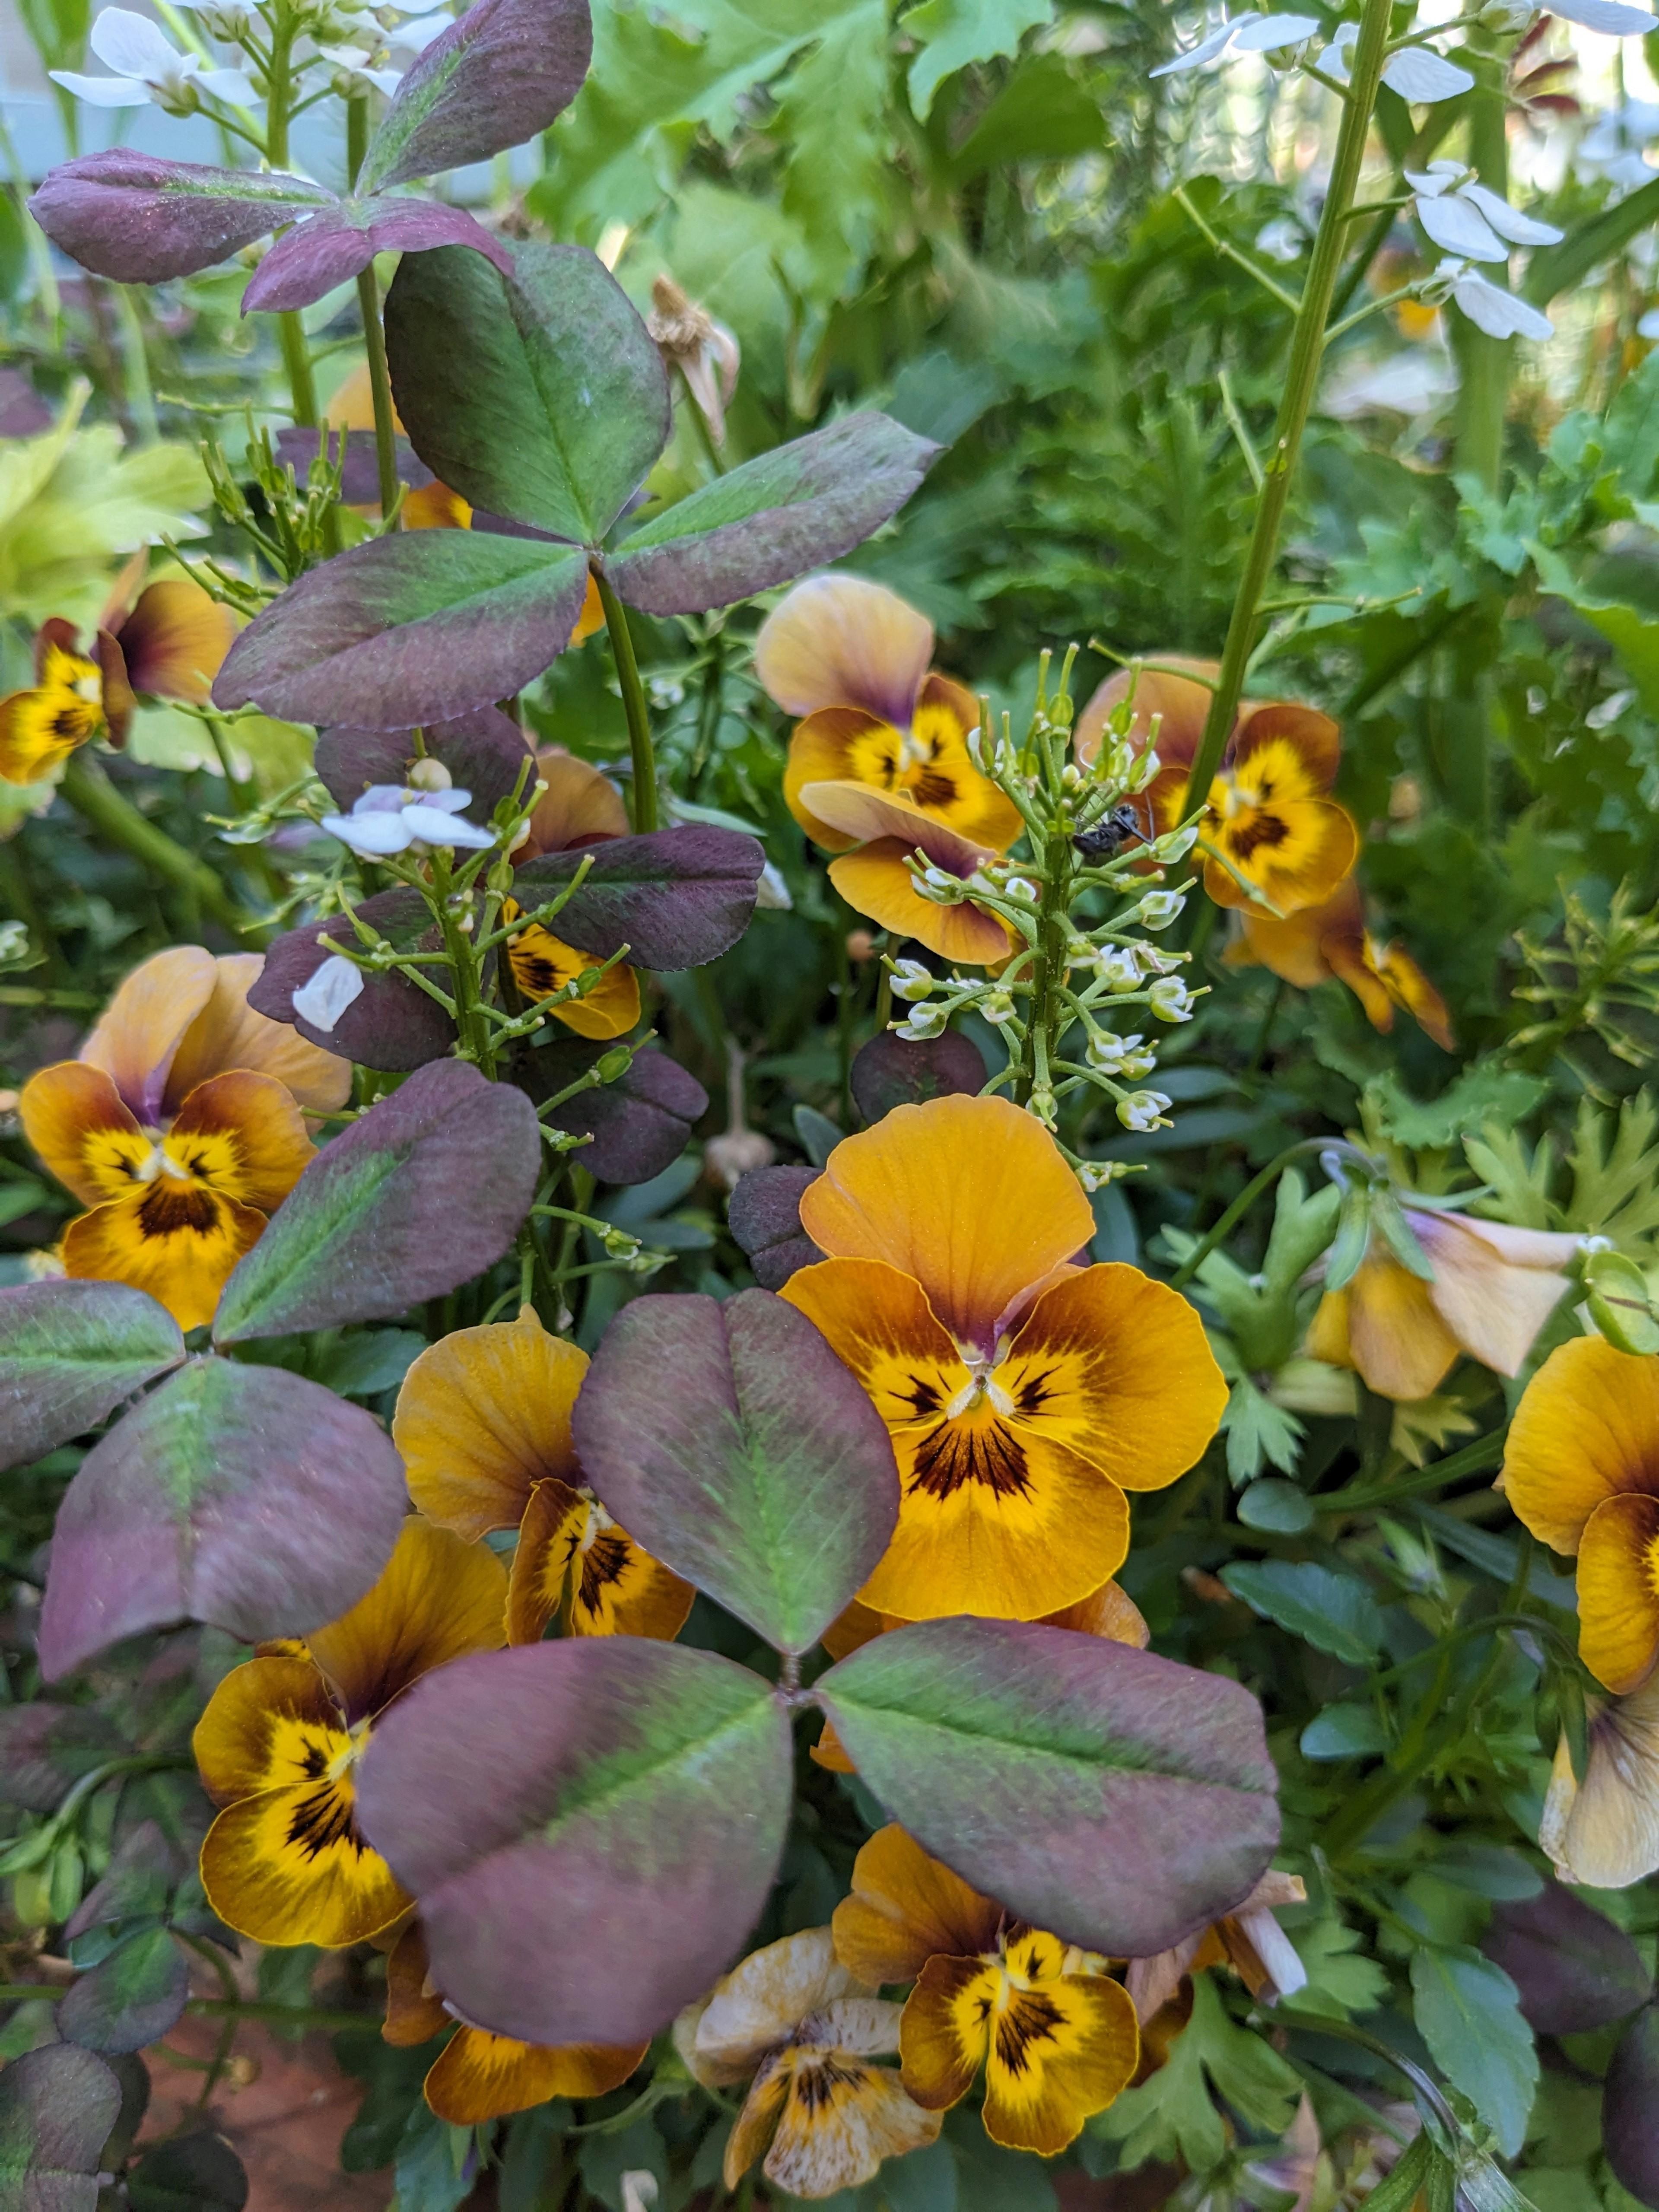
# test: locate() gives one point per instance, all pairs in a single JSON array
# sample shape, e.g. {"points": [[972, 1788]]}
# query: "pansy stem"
{"points": [[1302, 376], [99, 804], [644, 798], [369, 302]]}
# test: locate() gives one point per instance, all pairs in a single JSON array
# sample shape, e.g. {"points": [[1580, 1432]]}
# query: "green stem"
{"points": [[477, 1044], [1411, 1482], [1049, 1013], [1242, 1205], [99, 804], [644, 807], [368, 303], [1302, 376]]}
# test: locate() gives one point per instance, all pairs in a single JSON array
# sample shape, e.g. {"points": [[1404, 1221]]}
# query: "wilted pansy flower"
{"points": [[148, 70], [483, 1426], [283, 1733], [1581, 1469], [1055, 2036], [167, 644], [180, 1127], [1604, 1830], [805, 2034], [478, 2075], [1318, 943], [1270, 812], [1025, 1393]]}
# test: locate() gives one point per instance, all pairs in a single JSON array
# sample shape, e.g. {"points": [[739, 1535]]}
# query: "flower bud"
{"points": [[1142, 1110], [996, 1007], [911, 980], [1158, 910], [429, 774], [1176, 844], [1120, 1055], [1620, 1303], [1117, 967], [1170, 999], [926, 1022]]}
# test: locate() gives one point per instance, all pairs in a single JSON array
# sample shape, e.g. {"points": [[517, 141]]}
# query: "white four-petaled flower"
{"points": [[1488, 305], [1467, 218], [1417, 74], [390, 817], [148, 69], [1245, 34]]}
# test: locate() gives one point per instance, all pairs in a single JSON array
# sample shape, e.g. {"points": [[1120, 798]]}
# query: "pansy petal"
{"points": [[228, 1034], [905, 1908], [287, 1866], [844, 642], [759, 2004], [1618, 1591], [927, 766], [1295, 851], [543, 963], [969, 1196], [439, 1599], [1586, 1430], [270, 1722], [177, 1240], [1059, 2051], [1605, 1832], [484, 1415], [41, 727], [1110, 1612], [882, 1327], [570, 1551], [945, 2033], [146, 1022], [1385, 1325], [478, 2076], [1118, 1368], [1170, 709], [821, 749], [74, 1118], [579, 808], [756, 2122], [1297, 748], [414, 2012], [1408, 986], [841, 2118], [243, 1136], [1494, 1286], [175, 640], [867, 2026], [861, 811], [876, 881], [1348, 955]]}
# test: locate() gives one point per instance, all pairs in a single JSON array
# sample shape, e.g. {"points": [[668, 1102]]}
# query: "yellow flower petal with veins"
{"points": [[838, 2118], [1605, 1832], [1618, 1591], [543, 963], [844, 642], [439, 1599], [138, 1036], [927, 763], [483, 1416], [906, 1908], [573, 1560], [39, 728], [228, 1033], [1586, 1430]]}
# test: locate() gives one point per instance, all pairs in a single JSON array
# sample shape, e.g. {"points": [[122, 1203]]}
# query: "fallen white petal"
{"points": [[338, 984]]}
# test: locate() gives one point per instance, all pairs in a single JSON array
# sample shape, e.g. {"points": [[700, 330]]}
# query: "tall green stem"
{"points": [[1484, 362], [633, 699], [1302, 376], [97, 801], [369, 302]]}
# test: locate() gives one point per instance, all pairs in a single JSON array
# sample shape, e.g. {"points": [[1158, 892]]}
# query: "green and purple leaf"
{"points": [[142, 1872], [1576, 1971], [131, 1997], [1117, 1799], [142, 220], [500, 76], [674, 898], [45, 1749], [392, 1024], [891, 1070], [541, 398], [335, 244], [765, 1216], [243, 1497], [424, 1193], [795, 508], [70, 1353], [418, 628], [1629, 2103], [730, 1441], [591, 1827], [58, 2105], [485, 753], [637, 1125]]}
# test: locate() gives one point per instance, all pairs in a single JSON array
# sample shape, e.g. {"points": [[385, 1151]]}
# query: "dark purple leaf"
{"points": [[44, 1749], [501, 75], [485, 753], [730, 1440], [1117, 1799], [891, 1070], [591, 1827], [196, 2172], [69, 1353], [140, 220], [136, 1885], [676, 899], [360, 486], [793, 509], [424, 1193], [543, 400], [245, 1496], [131, 1997], [58, 2105], [764, 1215], [331, 248], [1630, 2103], [392, 1024], [638, 1125], [1574, 1969], [414, 628]]}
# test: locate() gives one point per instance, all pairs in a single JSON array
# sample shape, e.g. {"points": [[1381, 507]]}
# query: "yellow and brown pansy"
{"points": [[821, 2112], [483, 1422], [1581, 1469], [1270, 820], [1024, 1394], [1056, 2037], [1331, 940], [875, 878], [543, 964], [1494, 1287], [276, 1747], [480, 2076]]}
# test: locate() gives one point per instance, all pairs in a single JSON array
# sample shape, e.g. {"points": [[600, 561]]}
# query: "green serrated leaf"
{"points": [[1469, 2013], [1334, 1612]]}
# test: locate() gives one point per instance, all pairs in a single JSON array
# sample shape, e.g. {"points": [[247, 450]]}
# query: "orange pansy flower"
{"points": [[1025, 1393], [180, 1127], [1318, 943], [1269, 810], [281, 1734], [579, 807]]}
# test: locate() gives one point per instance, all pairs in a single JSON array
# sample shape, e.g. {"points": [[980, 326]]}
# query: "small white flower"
{"points": [[1120, 1056], [1176, 844], [390, 817], [926, 1022], [1170, 999], [1610, 17], [998, 1008], [941, 881], [1489, 306], [1245, 34], [352, 71], [1117, 968], [1095, 1175], [338, 984], [230, 20], [1160, 908], [148, 71], [911, 980], [772, 892], [1142, 1110], [1416, 73], [1463, 216], [1018, 887], [1152, 962]]}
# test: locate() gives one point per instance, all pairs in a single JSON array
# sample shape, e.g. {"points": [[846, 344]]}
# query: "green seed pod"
{"points": [[1620, 1304]]}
